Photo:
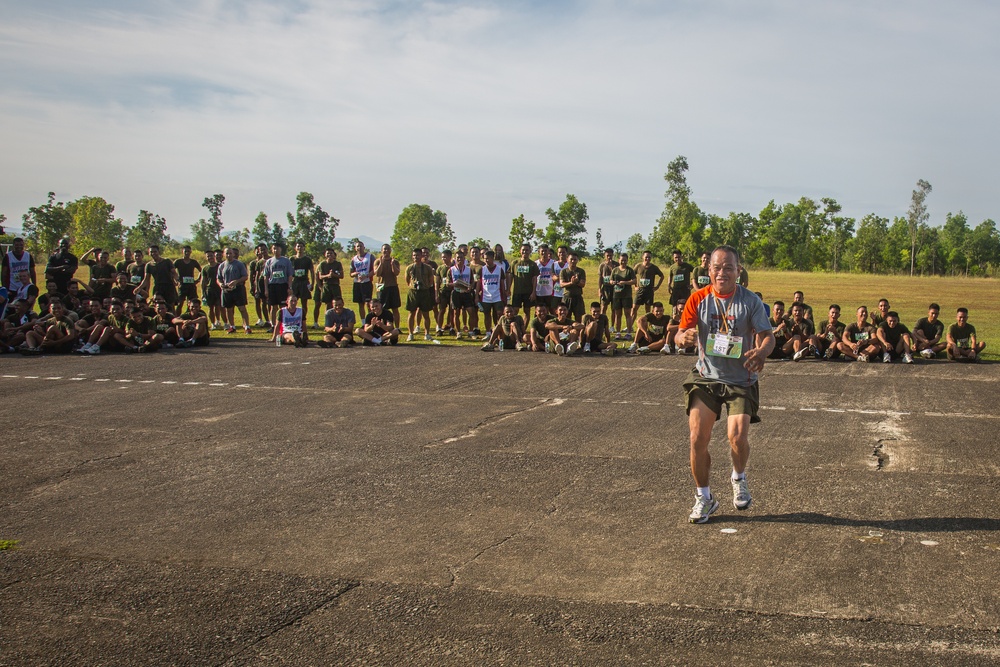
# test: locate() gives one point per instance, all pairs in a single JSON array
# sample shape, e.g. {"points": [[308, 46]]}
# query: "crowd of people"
{"points": [[146, 302]]}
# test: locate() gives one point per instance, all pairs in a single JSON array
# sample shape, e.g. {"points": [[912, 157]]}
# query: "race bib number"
{"points": [[544, 281], [655, 330], [963, 343], [278, 275], [703, 281], [724, 345], [831, 335], [135, 280], [861, 336], [523, 270], [300, 273], [292, 328], [188, 280], [607, 280], [644, 282], [679, 278], [619, 288]]}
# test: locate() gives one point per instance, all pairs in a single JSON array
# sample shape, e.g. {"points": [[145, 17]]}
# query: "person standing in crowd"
{"points": [[386, 270], [189, 274], [61, 267], [327, 282], [362, 270], [277, 281], [16, 260], [421, 295], [232, 277]]}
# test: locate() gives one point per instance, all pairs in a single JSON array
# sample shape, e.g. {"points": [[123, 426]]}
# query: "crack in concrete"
{"points": [[87, 462], [881, 457], [495, 419], [297, 619], [551, 508]]}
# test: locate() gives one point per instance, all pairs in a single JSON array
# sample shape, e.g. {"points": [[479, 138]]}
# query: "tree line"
{"points": [[807, 235]]}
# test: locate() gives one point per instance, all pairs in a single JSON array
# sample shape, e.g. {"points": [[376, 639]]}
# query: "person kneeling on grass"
{"points": [[597, 331], [508, 332], [59, 334], [192, 326], [962, 342], [338, 328], [289, 324], [563, 333], [379, 327]]}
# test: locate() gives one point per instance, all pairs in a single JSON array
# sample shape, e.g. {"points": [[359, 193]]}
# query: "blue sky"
{"points": [[490, 109]]}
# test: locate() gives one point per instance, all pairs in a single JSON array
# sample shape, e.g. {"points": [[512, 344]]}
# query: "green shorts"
{"points": [[738, 400]]}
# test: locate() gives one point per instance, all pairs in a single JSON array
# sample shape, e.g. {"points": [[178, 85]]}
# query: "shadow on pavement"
{"points": [[921, 524]]}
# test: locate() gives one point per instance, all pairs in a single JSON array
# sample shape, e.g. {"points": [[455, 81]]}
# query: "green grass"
{"points": [[908, 296], [8, 544]]}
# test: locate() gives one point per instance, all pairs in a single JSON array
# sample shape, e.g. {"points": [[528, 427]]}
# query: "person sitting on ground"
{"points": [[802, 330], [379, 327], [563, 333], [289, 325], [807, 311], [675, 324], [651, 331], [89, 323], [962, 342], [597, 331], [20, 320], [58, 337], [859, 341], [878, 317], [122, 290], [103, 336], [826, 341], [895, 339], [338, 327], [928, 334], [140, 333], [163, 320], [193, 326], [537, 332], [508, 332], [781, 325]]}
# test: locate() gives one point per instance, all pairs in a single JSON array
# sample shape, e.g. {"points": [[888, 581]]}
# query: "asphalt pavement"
{"points": [[432, 505]]}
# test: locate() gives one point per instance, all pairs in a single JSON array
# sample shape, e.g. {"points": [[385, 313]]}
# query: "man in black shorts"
{"points": [[622, 282], [962, 342], [328, 281], [679, 282], [387, 286], [826, 340], [781, 327], [362, 270], [277, 280], [303, 278], [648, 277], [232, 278], [508, 332], [256, 282], [443, 312], [379, 327], [597, 332], [210, 291], [573, 280], [189, 273], [801, 333], [604, 271], [421, 295], [524, 281], [163, 275], [537, 331]]}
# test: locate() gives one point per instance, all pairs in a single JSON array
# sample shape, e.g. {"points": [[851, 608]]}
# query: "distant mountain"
{"points": [[367, 240]]}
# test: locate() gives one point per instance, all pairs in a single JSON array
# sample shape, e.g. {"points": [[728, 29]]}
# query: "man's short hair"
{"points": [[885, 301], [833, 305], [963, 310], [489, 254], [726, 248], [892, 313], [657, 304], [595, 304], [676, 251], [575, 254], [779, 303], [934, 306]]}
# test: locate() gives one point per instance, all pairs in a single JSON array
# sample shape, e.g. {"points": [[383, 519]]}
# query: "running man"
{"points": [[729, 324]]}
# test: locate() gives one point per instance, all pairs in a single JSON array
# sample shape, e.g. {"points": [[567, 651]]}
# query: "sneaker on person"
{"points": [[907, 358], [703, 508], [342, 343], [798, 355], [377, 340], [586, 347], [458, 336], [409, 338], [608, 352], [863, 358], [477, 333], [549, 349], [560, 350], [96, 349], [741, 493], [427, 336], [665, 350], [231, 329], [487, 348], [451, 331], [886, 358], [814, 351], [438, 331], [644, 350], [632, 349], [573, 348], [829, 353], [927, 354], [259, 323], [247, 330], [520, 347]]}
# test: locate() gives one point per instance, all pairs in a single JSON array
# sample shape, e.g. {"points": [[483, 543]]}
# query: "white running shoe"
{"points": [[632, 349], [702, 509], [927, 354], [560, 350], [907, 358], [259, 323], [644, 350], [741, 494], [409, 338], [586, 347], [863, 358], [573, 348], [665, 350], [427, 336], [798, 355], [886, 358]]}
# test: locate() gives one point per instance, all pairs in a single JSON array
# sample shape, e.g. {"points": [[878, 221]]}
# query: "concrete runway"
{"points": [[427, 505]]}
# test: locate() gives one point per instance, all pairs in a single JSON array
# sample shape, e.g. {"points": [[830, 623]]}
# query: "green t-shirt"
{"points": [[701, 277], [625, 274], [300, 268], [680, 278], [930, 330], [832, 332], [524, 272], [420, 277], [962, 335], [645, 276], [567, 274]]}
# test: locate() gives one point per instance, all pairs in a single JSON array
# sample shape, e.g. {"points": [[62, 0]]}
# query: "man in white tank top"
{"points": [[546, 277], [16, 260], [492, 291]]}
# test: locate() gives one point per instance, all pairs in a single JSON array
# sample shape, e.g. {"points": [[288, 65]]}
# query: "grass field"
{"points": [[908, 296]]}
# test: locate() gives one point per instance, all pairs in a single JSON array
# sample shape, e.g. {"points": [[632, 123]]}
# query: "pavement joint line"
{"points": [[217, 384], [76, 379], [57, 377], [192, 383], [102, 379], [147, 381], [168, 382], [30, 377], [122, 380]]}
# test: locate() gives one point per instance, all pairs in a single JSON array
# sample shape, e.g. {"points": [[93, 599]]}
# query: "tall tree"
{"points": [[682, 224], [634, 245], [916, 216], [207, 234], [44, 225], [149, 229], [523, 231], [418, 226], [95, 225], [311, 225], [869, 242], [568, 225], [983, 247], [262, 230]]}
